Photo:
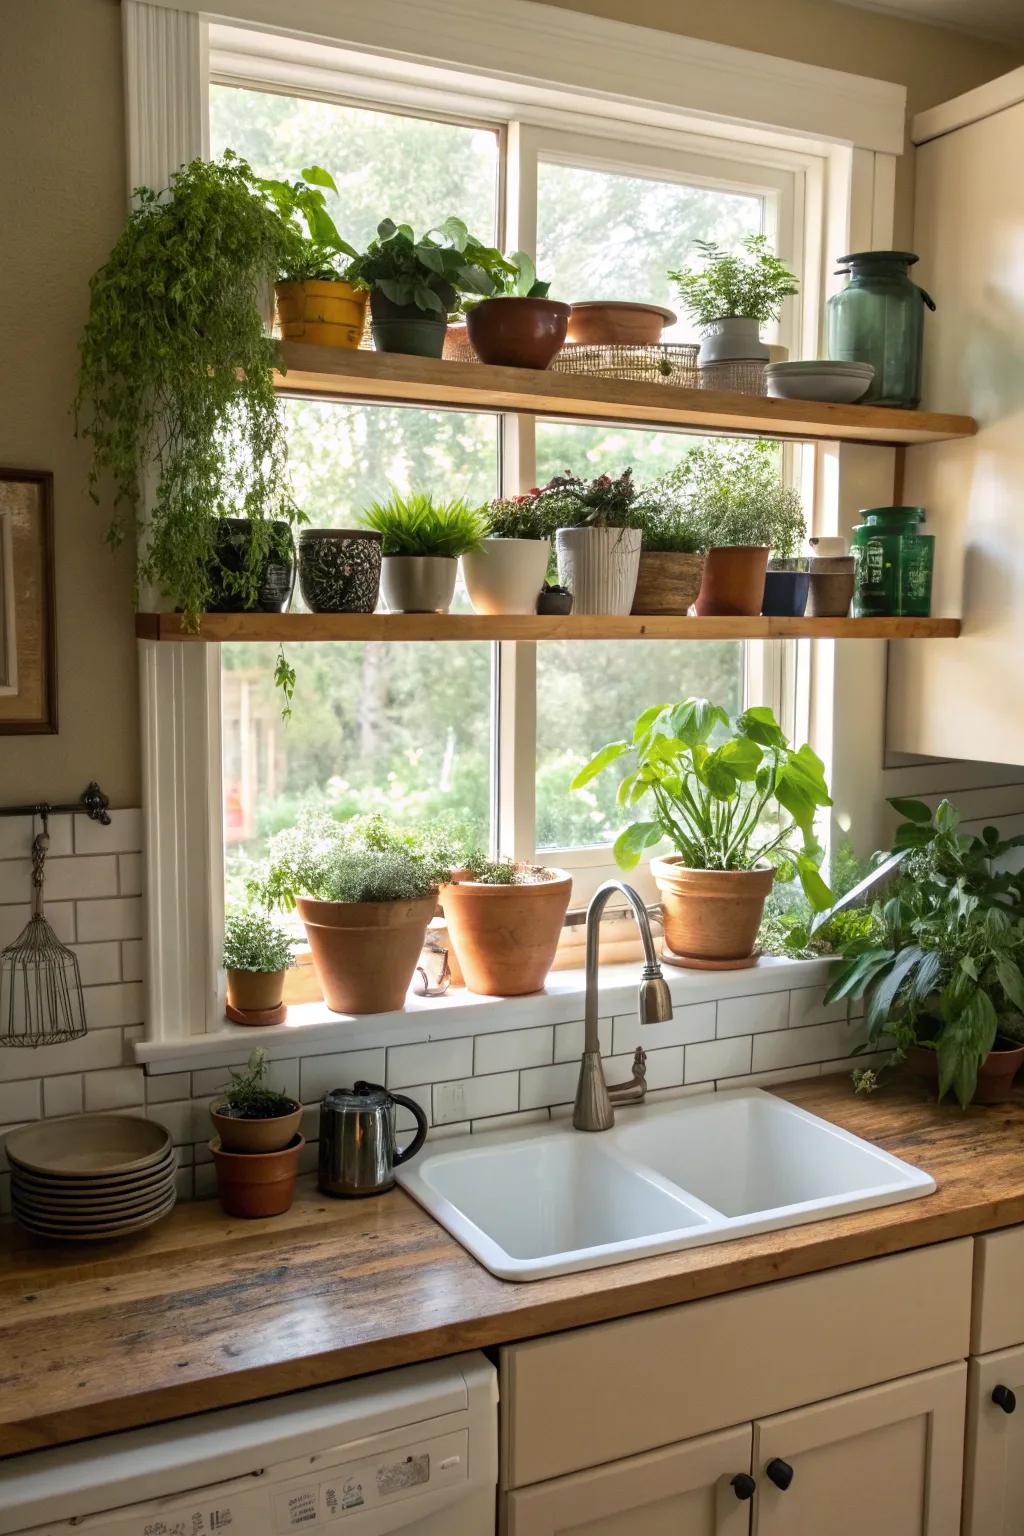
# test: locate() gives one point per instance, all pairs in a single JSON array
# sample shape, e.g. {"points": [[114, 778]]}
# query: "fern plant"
{"points": [[248, 1096], [751, 286]]}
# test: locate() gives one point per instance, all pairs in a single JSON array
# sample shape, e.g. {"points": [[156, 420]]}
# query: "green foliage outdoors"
{"points": [[248, 1095], [416, 524], [254, 942], [729, 492], [751, 285], [943, 965], [364, 859]]}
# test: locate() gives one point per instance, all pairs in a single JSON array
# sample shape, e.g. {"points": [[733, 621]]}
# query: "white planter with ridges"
{"points": [[732, 339], [599, 566], [506, 575]]}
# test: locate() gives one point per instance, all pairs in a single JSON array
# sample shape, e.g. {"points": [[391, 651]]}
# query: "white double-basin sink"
{"points": [[669, 1176]]}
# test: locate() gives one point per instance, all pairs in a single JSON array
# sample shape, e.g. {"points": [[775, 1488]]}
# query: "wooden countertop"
{"points": [[203, 1312]]}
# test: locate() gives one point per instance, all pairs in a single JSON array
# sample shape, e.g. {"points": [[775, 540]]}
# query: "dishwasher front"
{"points": [[414, 1450]]}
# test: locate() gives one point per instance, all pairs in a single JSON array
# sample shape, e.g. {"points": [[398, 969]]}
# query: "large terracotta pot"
{"points": [[995, 1075], [733, 581], [365, 952], [329, 314], [506, 575], [667, 581], [248, 1136], [505, 936], [604, 322], [518, 333], [711, 915], [257, 1183]]}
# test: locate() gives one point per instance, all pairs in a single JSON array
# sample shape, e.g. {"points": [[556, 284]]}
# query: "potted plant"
{"points": [[257, 955], [421, 541], [732, 296], [613, 322], [176, 386], [505, 572], [671, 557], [787, 581], [339, 569], [555, 601], [597, 539], [315, 300], [740, 815], [415, 283], [504, 920], [520, 327], [258, 1142], [365, 894], [941, 968]]}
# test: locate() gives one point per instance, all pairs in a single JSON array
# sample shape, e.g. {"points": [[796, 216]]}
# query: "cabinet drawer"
{"points": [[998, 1314], [615, 1389]]}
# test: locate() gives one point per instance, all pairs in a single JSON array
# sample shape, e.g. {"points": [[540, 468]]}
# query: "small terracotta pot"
{"points": [[331, 314], [995, 1075], [255, 991], [602, 322], [733, 581], [518, 333], [711, 915], [257, 1183], [506, 936], [365, 952], [667, 582], [250, 1136]]}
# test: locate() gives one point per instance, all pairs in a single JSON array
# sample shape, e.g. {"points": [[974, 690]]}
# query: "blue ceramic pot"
{"points": [[785, 594]]}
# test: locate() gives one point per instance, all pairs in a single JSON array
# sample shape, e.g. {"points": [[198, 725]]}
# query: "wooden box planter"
{"points": [[667, 582]]}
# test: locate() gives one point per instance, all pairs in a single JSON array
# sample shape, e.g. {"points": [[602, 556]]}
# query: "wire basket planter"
{"points": [[737, 376], [672, 363]]}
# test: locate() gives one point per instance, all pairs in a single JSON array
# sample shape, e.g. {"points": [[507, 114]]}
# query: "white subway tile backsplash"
{"points": [[513, 1048], [432, 1062], [59, 914], [807, 1006], [664, 1067], [517, 1121], [813, 1042], [123, 835], [129, 874], [70, 879], [62, 1095], [16, 834], [770, 1079], [548, 1085], [717, 1058], [108, 1007], [21, 1101], [471, 1098], [118, 917], [569, 1039], [118, 1089], [98, 963], [752, 1015], [405, 1120], [98, 1048], [692, 1022], [341, 1069], [132, 960], [187, 1120]]}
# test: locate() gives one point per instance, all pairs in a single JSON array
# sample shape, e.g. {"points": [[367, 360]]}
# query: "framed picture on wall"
{"points": [[28, 645]]}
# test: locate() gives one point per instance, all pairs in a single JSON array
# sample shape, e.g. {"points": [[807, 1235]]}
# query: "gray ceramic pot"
{"points": [[339, 569], [418, 583]]}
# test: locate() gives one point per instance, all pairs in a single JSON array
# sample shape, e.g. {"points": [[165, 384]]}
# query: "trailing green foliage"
{"points": [[728, 492], [359, 860], [254, 942], [317, 253], [745, 802], [175, 382], [248, 1097], [751, 286], [416, 524], [789, 928]]}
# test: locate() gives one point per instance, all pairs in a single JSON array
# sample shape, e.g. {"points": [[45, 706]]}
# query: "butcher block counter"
{"points": [[203, 1311]]}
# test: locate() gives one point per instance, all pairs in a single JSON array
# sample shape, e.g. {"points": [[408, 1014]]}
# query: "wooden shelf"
{"points": [[294, 627], [397, 379]]}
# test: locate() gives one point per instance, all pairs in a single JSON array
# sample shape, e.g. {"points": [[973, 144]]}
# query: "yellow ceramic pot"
{"points": [[328, 314]]}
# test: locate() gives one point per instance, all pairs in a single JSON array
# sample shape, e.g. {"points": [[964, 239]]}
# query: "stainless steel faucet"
{"points": [[594, 1109]]}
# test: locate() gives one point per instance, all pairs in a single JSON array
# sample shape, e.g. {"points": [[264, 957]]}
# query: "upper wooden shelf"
{"points": [[397, 379], [292, 627]]}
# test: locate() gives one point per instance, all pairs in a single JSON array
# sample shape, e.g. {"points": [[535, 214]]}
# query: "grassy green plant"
{"points": [[359, 860], [416, 524], [175, 381], [751, 286], [670, 526], [254, 942], [729, 493], [248, 1095], [315, 252]]}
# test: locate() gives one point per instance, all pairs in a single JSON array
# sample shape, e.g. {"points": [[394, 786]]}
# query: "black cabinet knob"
{"points": [[780, 1472], [743, 1485], [1004, 1399]]}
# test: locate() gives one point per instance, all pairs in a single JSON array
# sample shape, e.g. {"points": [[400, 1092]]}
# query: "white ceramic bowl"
{"points": [[829, 382]]}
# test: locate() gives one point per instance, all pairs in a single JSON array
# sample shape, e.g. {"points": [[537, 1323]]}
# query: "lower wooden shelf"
{"points": [[275, 628]]}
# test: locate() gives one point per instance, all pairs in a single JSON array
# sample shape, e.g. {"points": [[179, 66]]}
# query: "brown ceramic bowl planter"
{"points": [[248, 1135], [667, 582], [995, 1075], [365, 952], [733, 581], [611, 322], [518, 333], [711, 915], [505, 936], [253, 1184]]}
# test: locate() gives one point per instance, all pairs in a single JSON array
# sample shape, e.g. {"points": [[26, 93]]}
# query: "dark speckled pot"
{"points": [[339, 569]]}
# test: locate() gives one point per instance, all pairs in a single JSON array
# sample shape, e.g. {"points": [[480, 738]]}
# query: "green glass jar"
{"points": [[878, 318], [893, 564]]}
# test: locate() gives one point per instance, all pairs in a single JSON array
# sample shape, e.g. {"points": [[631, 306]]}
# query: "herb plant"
{"points": [[359, 860], [248, 1097], [318, 254], [670, 526], [485, 871], [176, 384], [254, 942], [751, 286], [430, 272], [729, 492], [751, 800], [416, 524]]}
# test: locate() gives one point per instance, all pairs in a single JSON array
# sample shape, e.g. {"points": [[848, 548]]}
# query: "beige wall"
{"points": [[62, 193]]}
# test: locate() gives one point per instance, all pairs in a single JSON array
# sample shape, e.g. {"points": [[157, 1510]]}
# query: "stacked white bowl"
{"points": [[85, 1178], [821, 379]]}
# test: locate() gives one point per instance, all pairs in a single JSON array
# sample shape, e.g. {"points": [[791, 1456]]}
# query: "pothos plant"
{"points": [[176, 381], [751, 286], [429, 272], [749, 800]]}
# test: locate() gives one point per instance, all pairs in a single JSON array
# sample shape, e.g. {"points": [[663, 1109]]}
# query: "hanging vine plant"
{"points": [[175, 387]]}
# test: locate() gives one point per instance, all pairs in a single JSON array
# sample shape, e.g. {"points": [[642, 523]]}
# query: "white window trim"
{"points": [[648, 79]]}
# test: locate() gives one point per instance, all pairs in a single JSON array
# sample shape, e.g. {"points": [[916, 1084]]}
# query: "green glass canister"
{"points": [[893, 564], [878, 318]]}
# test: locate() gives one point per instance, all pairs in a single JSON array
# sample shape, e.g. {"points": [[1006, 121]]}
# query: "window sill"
{"points": [[311, 1028]]}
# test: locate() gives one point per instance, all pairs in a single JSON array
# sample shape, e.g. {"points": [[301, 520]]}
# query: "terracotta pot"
{"points": [[995, 1075], [605, 322], [257, 1183], [711, 915], [365, 952], [505, 936], [255, 991], [250, 1136], [518, 333], [329, 314], [667, 582], [733, 580], [506, 575]]}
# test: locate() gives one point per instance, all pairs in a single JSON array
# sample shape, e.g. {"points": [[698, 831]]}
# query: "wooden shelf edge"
{"points": [[292, 628]]}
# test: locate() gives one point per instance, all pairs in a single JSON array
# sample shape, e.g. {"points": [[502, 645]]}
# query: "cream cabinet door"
{"points": [[994, 1481], [684, 1490], [884, 1462]]}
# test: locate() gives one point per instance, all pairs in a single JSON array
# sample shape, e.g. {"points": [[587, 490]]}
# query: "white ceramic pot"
{"points": [[506, 575], [732, 339], [418, 583], [599, 566]]}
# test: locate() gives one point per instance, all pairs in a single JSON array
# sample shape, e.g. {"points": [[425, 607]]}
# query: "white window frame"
{"points": [[841, 167]]}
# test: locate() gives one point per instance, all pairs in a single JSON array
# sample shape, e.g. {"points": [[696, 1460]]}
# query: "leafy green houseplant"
{"points": [[730, 296], [251, 1116], [672, 555], [740, 814], [316, 302], [520, 326], [415, 283], [176, 385], [421, 541], [941, 969], [257, 953]]}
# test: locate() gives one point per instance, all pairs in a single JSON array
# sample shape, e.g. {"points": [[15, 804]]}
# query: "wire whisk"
{"points": [[41, 1001]]}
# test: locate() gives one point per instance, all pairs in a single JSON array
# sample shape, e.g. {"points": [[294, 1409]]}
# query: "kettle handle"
{"points": [[421, 1128]]}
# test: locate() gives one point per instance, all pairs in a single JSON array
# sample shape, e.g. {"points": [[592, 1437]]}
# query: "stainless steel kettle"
{"points": [[358, 1150]]}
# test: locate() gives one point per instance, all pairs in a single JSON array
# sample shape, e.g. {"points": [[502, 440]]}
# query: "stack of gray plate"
{"points": [[90, 1177], [821, 379]]}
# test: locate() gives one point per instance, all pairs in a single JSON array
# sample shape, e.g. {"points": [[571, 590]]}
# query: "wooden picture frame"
{"points": [[28, 637]]}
